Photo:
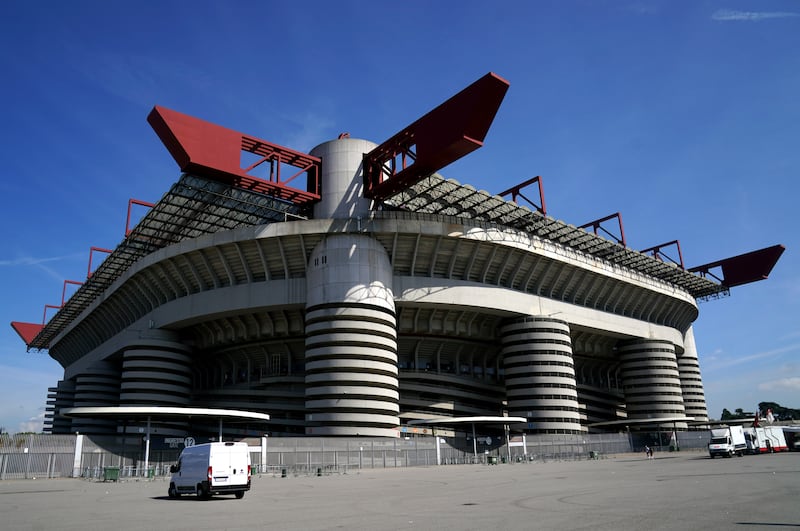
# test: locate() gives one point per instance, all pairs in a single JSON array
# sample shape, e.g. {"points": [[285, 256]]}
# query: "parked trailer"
{"points": [[792, 434], [756, 440], [775, 439]]}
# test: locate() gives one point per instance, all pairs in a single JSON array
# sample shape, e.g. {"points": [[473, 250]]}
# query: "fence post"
{"points": [[76, 460]]}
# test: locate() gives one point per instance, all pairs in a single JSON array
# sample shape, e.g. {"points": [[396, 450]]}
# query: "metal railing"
{"points": [[52, 456]]}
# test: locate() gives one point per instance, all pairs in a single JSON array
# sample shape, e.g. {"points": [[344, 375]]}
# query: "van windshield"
{"points": [[719, 440]]}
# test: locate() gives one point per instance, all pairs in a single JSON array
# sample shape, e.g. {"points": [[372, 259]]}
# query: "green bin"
{"points": [[151, 473], [492, 460], [111, 473]]}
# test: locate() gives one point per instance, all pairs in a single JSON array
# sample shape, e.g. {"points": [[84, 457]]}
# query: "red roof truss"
{"points": [[215, 152]]}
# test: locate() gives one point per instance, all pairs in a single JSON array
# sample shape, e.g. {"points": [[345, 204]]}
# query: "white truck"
{"points": [[212, 468], [727, 442]]}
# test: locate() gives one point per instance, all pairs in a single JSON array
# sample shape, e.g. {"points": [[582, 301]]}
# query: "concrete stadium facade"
{"points": [[360, 318]]}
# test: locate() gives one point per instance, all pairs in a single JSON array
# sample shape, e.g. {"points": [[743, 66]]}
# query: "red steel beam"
{"points": [[64, 289], [659, 254], [44, 315], [132, 202], [516, 191], [455, 128], [598, 225], [91, 253], [744, 268], [214, 152]]}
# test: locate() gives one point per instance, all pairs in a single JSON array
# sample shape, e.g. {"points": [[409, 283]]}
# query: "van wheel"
{"points": [[202, 492], [173, 492], [239, 494]]}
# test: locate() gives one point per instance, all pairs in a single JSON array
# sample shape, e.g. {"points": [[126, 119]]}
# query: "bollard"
{"points": [[319, 472], [283, 472]]}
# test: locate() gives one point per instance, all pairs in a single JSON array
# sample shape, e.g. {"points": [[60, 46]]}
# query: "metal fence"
{"points": [[28, 456]]}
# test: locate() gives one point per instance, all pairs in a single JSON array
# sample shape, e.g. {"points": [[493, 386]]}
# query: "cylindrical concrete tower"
{"points": [[351, 340], [60, 397], [650, 379], [98, 386], [157, 372], [156, 375], [540, 374], [342, 178], [694, 396]]}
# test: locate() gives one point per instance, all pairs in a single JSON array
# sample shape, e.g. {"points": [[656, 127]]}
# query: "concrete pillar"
{"points": [[650, 379], [60, 397], [342, 178], [540, 374], [98, 385], [351, 340], [694, 397], [156, 371]]}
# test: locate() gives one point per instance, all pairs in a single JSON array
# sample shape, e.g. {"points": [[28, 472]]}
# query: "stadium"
{"points": [[378, 296]]}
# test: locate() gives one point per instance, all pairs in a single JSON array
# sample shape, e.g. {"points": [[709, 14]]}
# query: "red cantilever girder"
{"points": [[213, 151], [27, 331], [447, 133], [744, 268]]}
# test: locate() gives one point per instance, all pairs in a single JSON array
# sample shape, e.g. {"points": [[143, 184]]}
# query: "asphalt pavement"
{"points": [[680, 490]]}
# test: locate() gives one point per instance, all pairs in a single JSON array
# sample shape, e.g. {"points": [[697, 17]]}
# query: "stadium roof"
{"points": [[195, 206], [192, 207], [436, 195]]}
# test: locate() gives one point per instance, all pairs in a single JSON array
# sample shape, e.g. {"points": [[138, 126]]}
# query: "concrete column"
{"points": [[694, 397], [60, 397], [650, 379], [351, 340], [98, 385], [540, 374], [342, 178], [156, 371]]}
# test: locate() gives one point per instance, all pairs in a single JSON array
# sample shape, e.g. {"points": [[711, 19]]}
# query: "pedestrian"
{"points": [[648, 452]]}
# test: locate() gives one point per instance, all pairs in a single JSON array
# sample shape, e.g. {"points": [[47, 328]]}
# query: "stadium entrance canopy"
{"points": [[166, 413], [472, 421]]}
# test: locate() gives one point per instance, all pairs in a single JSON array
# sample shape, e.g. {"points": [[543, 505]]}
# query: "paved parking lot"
{"points": [[684, 490]]}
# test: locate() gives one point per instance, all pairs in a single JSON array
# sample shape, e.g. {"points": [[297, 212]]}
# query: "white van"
{"points": [[212, 468]]}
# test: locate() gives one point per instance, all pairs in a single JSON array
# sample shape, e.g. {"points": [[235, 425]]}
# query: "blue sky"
{"points": [[682, 115]]}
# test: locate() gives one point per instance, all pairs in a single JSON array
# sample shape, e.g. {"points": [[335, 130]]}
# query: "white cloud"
{"points": [[32, 425], [719, 363], [790, 384], [41, 263], [30, 260], [726, 15]]}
